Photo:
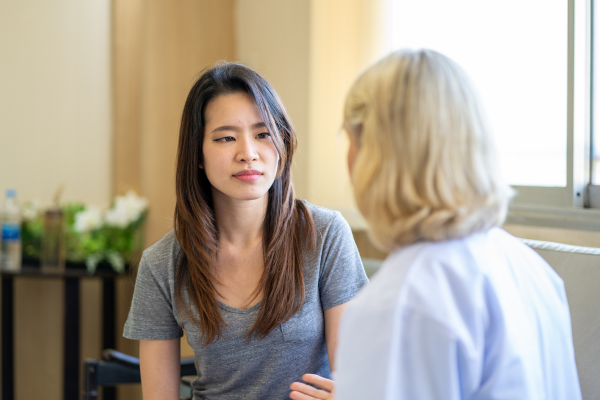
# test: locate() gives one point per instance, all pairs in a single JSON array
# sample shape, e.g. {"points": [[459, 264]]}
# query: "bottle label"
{"points": [[11, 231]]}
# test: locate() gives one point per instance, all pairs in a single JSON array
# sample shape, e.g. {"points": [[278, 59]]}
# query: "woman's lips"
{"points": [[248, 175]]}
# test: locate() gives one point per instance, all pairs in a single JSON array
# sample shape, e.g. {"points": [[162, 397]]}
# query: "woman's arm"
{"points": [[160, 366], [301, 391], [332, 321]]}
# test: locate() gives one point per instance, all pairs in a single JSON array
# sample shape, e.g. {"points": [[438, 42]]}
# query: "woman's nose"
{"points": [[247, 151]]}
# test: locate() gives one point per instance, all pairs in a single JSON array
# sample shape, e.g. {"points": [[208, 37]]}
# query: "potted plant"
{"points": [[93, 236]]}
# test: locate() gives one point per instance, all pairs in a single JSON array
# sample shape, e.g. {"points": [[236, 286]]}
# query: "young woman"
{"points": [[256, 278], [460, 309]]}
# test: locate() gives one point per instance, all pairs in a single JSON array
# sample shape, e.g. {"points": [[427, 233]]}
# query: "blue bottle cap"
{"points": [[11, 193]]}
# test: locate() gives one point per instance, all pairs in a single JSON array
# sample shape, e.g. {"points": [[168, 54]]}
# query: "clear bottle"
{"points": [[10, 219]]}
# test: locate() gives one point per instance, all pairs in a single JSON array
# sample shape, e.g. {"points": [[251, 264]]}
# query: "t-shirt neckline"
{"points": [[239, 310]]}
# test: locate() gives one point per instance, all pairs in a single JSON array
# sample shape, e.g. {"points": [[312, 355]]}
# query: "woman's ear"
{"points": [[354, 132], [200, 166]]}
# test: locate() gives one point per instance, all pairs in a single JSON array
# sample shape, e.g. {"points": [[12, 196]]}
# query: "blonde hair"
{"points": [[426, 167]]}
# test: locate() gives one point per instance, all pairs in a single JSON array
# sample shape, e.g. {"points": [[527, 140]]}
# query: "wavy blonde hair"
{"points": [[426, 168]]}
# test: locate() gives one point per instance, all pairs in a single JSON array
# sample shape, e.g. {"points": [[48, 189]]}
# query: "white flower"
{"points": [[126, 209], [88, 220], [117, 217], [30, 210]]}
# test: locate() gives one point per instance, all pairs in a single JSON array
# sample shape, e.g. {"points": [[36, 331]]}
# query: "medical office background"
{"points": [[91, 94]]}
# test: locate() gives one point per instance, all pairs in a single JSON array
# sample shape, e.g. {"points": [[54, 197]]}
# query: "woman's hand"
{"points": [[301, 391]]}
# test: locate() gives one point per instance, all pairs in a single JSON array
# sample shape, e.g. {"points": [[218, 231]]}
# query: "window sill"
{"points": [[583, 219]]}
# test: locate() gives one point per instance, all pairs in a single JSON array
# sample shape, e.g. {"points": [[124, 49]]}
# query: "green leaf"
{"points": [[116, 261], [91, 262]]}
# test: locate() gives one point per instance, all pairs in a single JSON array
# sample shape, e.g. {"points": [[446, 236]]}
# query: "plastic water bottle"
{"points": [[10, 218]]}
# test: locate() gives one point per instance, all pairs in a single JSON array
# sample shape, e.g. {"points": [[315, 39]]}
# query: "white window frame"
{"points": [[576, 206], [578, 116], [593, 191]]}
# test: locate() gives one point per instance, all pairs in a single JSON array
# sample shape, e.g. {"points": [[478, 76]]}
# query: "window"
{"points": [[530, 61]]}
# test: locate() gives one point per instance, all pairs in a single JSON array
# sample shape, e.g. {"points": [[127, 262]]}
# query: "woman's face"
{"points": [[240, 158]]}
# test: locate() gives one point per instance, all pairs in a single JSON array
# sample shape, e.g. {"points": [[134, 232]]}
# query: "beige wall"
{"points": [[344, 38], [55, 119]]}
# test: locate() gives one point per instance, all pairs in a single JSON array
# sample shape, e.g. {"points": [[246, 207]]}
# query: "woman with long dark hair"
{"points": [[257, 278]]}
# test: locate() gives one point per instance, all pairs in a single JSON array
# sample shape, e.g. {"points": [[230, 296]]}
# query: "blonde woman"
{"points": [[460, 309]]}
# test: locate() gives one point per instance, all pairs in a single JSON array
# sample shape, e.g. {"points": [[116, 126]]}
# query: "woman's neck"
{"points": [[239, 222]]}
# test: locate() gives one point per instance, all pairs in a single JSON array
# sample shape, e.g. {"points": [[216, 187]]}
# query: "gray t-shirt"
{"points": [[234, 367]]}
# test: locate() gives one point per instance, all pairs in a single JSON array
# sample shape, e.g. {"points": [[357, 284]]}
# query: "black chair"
{"points": [[117, 369]]}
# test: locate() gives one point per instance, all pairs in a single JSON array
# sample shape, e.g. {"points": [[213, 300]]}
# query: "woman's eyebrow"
{"points": [[237, 128], [225, 128]]}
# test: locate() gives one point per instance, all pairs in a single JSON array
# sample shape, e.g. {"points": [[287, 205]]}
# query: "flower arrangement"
{"points": [[92, 235]]}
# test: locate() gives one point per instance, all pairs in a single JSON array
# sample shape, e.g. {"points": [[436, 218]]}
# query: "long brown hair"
{"points": [[288, 228]]}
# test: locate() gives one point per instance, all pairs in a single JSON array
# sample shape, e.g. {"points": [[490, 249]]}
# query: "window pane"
{"points": [[516, 53]]}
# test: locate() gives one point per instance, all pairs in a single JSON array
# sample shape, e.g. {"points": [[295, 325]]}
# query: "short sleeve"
{"points": [[342, 274], [152, 312]]}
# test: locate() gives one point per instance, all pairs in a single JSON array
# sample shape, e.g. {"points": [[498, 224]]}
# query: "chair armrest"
{"points": [[187, 364], [122, 358], [187, 380]]}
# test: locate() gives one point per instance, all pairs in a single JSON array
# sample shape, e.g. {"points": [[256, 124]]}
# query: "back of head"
{"points": [[426, 168]]}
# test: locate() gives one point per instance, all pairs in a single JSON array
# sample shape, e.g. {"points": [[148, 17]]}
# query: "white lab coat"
{"points": [[483, 317]]}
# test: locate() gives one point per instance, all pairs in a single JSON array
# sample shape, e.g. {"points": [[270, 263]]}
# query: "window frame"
{"points": [[574, 194], [593, 191], [577, 205]]}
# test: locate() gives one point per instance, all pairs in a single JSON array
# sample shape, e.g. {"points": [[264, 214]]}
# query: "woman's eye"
{"points": [[225, 139], [263, 135]]}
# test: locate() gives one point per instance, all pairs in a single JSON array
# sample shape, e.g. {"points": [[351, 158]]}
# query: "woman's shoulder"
{"points": [[162, 252], [473, 254], [439, 278], [324, 218]]}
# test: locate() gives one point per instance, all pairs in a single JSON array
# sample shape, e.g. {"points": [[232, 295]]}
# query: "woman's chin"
{"points": [[246, 195], [250, 197]]}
